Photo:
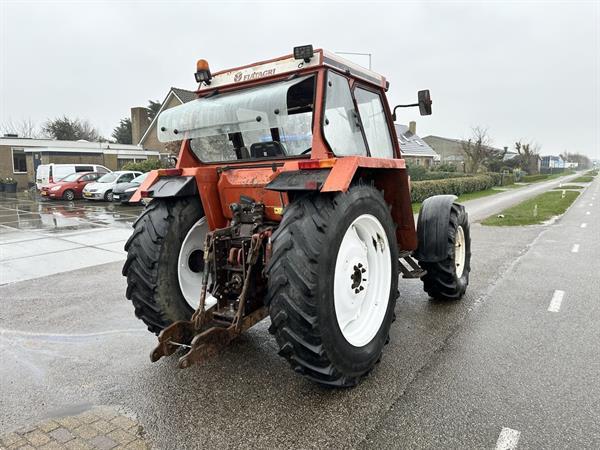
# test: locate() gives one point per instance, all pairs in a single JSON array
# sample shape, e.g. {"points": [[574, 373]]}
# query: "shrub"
{"points": [[446, 167], [457, 186], [145, 166], [420, 173], [416, 172]]}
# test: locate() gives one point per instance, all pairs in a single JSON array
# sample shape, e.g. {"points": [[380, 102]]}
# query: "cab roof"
{"points": [[288, 64]]}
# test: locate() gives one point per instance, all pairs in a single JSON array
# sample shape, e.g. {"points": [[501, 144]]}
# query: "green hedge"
{"points": [[420, 190], [145, 166], [420, 173]]}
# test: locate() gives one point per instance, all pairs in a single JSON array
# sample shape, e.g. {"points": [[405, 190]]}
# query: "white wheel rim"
{"points": [[362, 280], [459, 251], [190, 278]]}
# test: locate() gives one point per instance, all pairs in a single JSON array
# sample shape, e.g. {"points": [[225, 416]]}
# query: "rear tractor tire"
{"points": [[448, 278], [333, 278], [165, 261]]}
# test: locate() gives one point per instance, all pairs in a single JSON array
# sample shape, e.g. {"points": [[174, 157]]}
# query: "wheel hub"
{"points": [[357, 277]]}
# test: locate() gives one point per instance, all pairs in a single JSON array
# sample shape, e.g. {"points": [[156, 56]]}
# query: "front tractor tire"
{"points": [[333, 278], [164, 261], [448, 279]]}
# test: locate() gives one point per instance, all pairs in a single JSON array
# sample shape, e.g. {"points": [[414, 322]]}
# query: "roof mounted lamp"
{"points": [[424, 104], [304, 52], [203, 74]]}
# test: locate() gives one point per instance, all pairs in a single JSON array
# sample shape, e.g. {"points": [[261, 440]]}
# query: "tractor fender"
{"points": [[432, 229], [168, 187]]}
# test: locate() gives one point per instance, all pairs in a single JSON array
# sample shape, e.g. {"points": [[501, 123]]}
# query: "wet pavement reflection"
{"points": [[26, 211], [40, 237]]}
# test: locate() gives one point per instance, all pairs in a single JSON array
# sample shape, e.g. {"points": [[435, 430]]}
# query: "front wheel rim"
{"points": [[362, 280], [190, 263], [460, 251]]}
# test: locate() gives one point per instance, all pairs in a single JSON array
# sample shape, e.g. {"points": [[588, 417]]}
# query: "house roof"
{"points": [[510, 154], [183, 95], [53, 143], [413, 145]]}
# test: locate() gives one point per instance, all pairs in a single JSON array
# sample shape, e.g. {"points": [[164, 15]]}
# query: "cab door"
{"points": [[374, 120]]}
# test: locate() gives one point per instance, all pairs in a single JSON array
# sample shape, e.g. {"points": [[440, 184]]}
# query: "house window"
{"points": [[19, 161]]}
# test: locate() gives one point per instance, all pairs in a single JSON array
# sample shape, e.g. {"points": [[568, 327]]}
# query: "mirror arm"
{"points": [[402, 106]]}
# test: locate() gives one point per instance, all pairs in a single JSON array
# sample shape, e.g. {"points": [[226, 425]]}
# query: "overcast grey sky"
{"points": [[524, 70]]}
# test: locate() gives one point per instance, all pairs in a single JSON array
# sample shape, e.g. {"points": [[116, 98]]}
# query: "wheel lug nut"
{"points": [[363, 270], [361, 288]]}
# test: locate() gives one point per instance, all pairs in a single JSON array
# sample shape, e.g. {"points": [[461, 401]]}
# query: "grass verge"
{"points": [[583, 179], [535, 210], [568, 186]]}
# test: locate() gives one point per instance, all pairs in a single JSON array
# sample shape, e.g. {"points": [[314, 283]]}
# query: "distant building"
{"points": [[20, 157], [449, 150], [551, 162], [144, 132], [414, 150]]}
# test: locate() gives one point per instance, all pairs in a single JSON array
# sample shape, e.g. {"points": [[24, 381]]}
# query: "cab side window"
{"points": [[374, 123], [341, 127]]}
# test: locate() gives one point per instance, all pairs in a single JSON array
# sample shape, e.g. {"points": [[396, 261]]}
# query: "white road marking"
{"points": [[508, 439], [556, 301], [575, 248], [583, 225]]}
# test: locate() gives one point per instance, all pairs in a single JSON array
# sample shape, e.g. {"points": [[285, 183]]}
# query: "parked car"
{"points": [[70, 187], [51, 173], [102, 189], [123, 192]]}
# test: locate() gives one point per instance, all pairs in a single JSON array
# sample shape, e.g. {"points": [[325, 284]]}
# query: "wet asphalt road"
{"points": [[453, 375]]}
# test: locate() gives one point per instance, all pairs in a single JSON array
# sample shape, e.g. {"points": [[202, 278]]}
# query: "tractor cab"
{"points": [[306, 105]]}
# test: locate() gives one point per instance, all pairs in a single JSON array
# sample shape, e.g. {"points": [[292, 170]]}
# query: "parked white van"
{"points": [[51, 173]]}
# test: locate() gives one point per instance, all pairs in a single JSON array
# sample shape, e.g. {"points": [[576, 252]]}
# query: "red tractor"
{"points": [[290, 199]]}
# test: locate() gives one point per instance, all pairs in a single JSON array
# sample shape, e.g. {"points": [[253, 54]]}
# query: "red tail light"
{"points": [[316, 164]]}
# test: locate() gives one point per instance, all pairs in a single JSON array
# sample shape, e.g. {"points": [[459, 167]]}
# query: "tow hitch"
{"points": [[233, 257]]}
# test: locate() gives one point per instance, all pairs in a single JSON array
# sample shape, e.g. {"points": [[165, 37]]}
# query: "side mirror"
{"points": [[425, 103]]}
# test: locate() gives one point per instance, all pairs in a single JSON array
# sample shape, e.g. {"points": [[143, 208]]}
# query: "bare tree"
{"points": [[583, 162], [23, 128], [528, 155], [476, 149]]}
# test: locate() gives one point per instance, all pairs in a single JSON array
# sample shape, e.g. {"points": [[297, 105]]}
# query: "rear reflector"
{"points": [[316, 163], [169, 172], [146, 194]]}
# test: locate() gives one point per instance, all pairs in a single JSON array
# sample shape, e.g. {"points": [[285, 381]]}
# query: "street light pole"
{"points": [[359, 54]]}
